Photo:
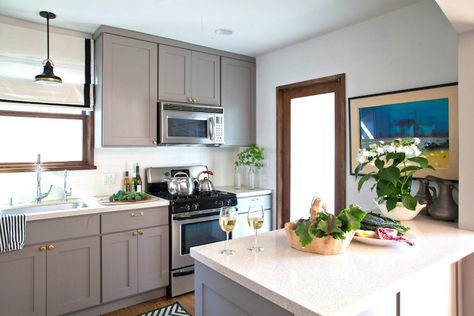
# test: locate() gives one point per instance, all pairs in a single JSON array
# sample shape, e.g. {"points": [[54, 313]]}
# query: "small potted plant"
{"points": [[252, 157], [395, 163]]}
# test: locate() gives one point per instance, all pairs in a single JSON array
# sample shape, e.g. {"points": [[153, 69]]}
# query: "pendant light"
{"points": [[48, 76]]}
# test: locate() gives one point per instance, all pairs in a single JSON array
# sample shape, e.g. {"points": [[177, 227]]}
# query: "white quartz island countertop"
{"points": [[344, 284]]}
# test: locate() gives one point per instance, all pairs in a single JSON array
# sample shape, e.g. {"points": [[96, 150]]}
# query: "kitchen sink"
{"points": [[48, 207]]}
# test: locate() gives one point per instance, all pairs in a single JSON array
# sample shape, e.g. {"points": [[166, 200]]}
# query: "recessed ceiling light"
{"points": [[223, 32]]}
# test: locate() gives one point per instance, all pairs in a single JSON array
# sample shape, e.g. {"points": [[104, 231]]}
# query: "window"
{"points": [[64, 140]]}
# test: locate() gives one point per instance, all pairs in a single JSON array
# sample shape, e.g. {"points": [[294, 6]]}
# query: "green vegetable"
{"points": [[373, 220], [326, 224], [128, 196]]}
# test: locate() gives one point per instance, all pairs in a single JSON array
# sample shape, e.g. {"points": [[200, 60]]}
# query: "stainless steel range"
{"points": [[194, 221]]}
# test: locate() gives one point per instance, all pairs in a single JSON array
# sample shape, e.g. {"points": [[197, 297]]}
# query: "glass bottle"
{"points": [[138, 180], [251, 178], [126, 182], [237, 177]]}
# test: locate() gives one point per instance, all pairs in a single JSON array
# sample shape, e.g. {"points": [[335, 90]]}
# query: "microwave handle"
{"points": [[211, 128]]}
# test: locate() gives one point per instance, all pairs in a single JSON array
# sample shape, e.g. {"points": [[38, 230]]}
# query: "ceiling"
{"points": [[460, 13], [258, 26]]}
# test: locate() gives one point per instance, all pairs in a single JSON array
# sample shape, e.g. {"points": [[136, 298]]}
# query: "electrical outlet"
{"points": [[109, 178]]}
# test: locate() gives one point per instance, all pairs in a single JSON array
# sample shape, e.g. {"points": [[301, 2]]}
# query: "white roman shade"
{"points": [[22, 50]]}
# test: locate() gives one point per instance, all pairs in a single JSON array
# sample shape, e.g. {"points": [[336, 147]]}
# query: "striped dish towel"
{"points": [[12, 231]]}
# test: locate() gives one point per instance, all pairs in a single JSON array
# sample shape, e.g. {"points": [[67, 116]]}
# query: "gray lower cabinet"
{"points": [[134, 262], [50, 279], [73, 275], [127, 74], [238, 100], [188, 76], [23, 282], [243, 204]]}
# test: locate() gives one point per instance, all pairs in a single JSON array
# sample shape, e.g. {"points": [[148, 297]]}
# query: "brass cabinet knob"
{"points": [[140, 232], [135, 233], [155, 142], [50, 247], [42, 248], [189, 99], [194, 100]]}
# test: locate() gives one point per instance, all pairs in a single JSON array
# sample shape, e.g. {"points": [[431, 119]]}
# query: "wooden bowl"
{"points": [[324, 246]]}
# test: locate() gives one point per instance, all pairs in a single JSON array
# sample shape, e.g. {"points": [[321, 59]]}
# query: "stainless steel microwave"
{"points": [[190, 124]]}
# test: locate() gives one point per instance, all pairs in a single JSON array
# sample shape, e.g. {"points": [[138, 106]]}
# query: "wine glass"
{"points": [[255, 221], [227, 221]]}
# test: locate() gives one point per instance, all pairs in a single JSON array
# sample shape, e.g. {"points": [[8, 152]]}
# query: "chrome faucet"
{"points": [[40, 196], [65, 190]]}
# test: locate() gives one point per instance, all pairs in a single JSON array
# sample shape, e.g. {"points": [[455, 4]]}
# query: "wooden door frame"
{"points": [[284, 94]]}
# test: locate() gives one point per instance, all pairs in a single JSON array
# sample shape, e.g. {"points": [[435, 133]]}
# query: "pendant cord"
{"points": [[47, 37]]}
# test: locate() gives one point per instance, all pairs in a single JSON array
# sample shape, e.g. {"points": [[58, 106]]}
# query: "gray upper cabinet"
{"points": [[73, 275], [127, 73], [23, 282], [174, 74], [206, 78], [188, 76], [238, 101]]}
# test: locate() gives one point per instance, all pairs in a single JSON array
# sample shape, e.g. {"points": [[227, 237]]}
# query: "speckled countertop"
{"points": [[311, 284], [244, 191], [94, 206]]}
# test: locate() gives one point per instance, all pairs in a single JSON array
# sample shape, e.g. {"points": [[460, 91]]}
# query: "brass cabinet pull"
{"points": [[155, 142], [135, 233], [189, 99], [50, 247], [136, 214], [42, 248], [140, 233], [194, 100]]}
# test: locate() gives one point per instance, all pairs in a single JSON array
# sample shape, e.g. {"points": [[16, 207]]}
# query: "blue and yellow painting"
{"points": [[428, 120]]}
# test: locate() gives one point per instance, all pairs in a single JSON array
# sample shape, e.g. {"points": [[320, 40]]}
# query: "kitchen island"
{"points": [[366, 280]]}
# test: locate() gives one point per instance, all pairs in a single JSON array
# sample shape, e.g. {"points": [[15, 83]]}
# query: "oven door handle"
{"points": [[200, 216], [183, 273]]}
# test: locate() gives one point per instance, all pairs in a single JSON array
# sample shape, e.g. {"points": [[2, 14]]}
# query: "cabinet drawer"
{"points": [[264, 200], [133, 219], [61, 228]]}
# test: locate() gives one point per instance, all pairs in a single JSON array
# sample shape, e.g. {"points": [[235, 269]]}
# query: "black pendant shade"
{"points": [[48, 76]]}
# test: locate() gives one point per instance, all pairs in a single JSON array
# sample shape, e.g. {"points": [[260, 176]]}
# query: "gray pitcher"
{"points": [[443, 207], [424, 196]]}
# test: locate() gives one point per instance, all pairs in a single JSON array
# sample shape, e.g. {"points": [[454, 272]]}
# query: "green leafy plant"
{"points": [[326, 224], [252, 156], [396, 164]]}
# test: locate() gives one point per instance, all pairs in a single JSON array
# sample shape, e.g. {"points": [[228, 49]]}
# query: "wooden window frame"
{"points": [[87, 161]]}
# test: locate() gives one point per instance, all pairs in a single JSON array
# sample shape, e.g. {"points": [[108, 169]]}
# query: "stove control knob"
{"points": [[187, 207], [228, 202], [195, 206], [220, 203]]}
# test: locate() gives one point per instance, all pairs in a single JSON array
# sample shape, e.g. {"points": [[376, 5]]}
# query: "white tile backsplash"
{"points": [[22, 186]]}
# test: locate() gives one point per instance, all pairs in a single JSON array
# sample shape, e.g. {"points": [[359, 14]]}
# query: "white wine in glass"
{"points": [[227, 222], [255, 221]]}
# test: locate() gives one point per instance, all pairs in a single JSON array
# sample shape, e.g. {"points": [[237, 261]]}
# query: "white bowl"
{"points": [[400, 212]]}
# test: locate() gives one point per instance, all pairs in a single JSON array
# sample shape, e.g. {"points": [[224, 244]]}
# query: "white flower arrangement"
{"points": [[395, 163]]}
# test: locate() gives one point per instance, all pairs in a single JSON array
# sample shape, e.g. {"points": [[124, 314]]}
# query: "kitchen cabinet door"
{"points": [[243, 229], [23, 282], [174, 74], [73, 275], [238, 101], [206, 78], [153, 258], [128, 83], [119, 265]]}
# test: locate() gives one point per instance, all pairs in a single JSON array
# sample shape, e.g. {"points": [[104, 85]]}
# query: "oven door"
{"points": [[198, 230], [181, 127]]}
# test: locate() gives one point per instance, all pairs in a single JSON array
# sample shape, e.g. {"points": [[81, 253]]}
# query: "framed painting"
{"points": [[428, 113]]}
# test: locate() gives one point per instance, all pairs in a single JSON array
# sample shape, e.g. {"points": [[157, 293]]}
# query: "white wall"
{"points": [[411, 47], [22, 186], [466, 129]]}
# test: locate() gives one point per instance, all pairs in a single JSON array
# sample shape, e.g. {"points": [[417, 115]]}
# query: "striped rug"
{"points": [[174, 309]]}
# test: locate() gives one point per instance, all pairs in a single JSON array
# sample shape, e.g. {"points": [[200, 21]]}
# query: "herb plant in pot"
{"points": [[252, 157], [395, 164]]}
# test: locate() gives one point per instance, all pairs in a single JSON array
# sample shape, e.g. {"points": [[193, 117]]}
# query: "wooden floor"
{"points": [[186, 300]]}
